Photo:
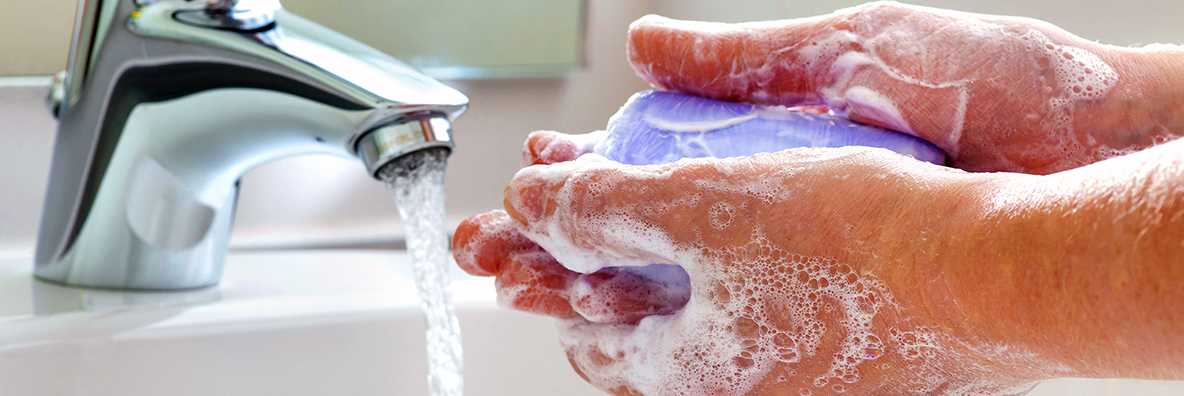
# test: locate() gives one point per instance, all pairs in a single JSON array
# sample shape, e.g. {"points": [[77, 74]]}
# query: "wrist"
{"points": [[935, 257], [1053, 266], [978, 274], [1146, 106]]}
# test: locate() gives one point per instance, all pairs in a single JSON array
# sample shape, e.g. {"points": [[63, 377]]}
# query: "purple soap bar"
{"points": [[658, 127]]}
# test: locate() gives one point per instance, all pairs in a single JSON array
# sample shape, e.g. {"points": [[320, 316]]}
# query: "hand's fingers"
{"points": [[736, 62], [628, 294], [529, 279], [482, 243], [815, 61], [592, 212], [809, 61], [932, 73], [532, 281], [548, 147]]}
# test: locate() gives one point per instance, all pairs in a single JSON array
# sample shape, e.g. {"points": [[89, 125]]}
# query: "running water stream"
{"points": [[417, 180]]}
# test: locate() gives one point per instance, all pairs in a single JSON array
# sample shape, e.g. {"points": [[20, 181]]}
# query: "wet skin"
{"points": [[986, 282]]}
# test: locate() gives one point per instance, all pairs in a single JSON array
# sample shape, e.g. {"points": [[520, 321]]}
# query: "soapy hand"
{"points": [[796, 284], [820, 271], [996, 93]]}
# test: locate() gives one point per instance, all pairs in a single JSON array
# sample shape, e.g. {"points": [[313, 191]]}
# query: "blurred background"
{"points": [[525, 64]]}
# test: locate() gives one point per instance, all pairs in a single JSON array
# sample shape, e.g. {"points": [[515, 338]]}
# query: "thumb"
{"points": [[627, 295]]}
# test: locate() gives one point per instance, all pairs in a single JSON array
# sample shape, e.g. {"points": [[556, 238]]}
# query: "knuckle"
{"points": [[585, 189], [870, 155], [535, 146], [882, 7], [876, 12]]}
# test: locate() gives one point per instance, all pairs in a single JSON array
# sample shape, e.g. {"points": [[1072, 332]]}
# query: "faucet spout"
{"points": [[167, 103]]}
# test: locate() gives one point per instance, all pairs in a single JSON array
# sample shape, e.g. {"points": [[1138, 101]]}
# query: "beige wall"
{"points": [[502, 37], [34, 35]]}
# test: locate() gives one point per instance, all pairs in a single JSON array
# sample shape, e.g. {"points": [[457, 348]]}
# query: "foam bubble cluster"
{"points": [[756, 312], [760, 310], [843, 59], [531, 271], [721, 215], [753, 307]]}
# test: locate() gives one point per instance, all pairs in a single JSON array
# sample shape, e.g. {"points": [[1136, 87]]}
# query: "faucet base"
{"points": [[59, 282]]}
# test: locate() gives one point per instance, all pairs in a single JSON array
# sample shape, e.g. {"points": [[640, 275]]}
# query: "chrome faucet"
{"points": [[167, 103]]}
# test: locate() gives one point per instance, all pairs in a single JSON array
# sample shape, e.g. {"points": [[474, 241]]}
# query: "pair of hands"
{"points": [[813, 270]]}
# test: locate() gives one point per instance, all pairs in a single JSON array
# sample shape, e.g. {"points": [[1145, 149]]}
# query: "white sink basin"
{"points": [[291, 323]]}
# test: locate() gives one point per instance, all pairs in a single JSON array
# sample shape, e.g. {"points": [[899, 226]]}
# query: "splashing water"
{"points": [[417, 180]]}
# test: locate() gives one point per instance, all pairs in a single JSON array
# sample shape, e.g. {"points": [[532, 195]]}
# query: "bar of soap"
{"points": [[656, 127]]}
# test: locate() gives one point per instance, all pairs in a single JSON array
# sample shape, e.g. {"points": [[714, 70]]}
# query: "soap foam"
{"points": [[618, 245], [846, 57], [941, 363], [727, 338], [864, 45], [1080, 76], [755, 310], [877, 107], [531, 272], [721, 215], [493, 229], [844, 54]]}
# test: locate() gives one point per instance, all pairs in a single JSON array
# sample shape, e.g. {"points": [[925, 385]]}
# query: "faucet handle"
{"points": [[233, 14]]}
